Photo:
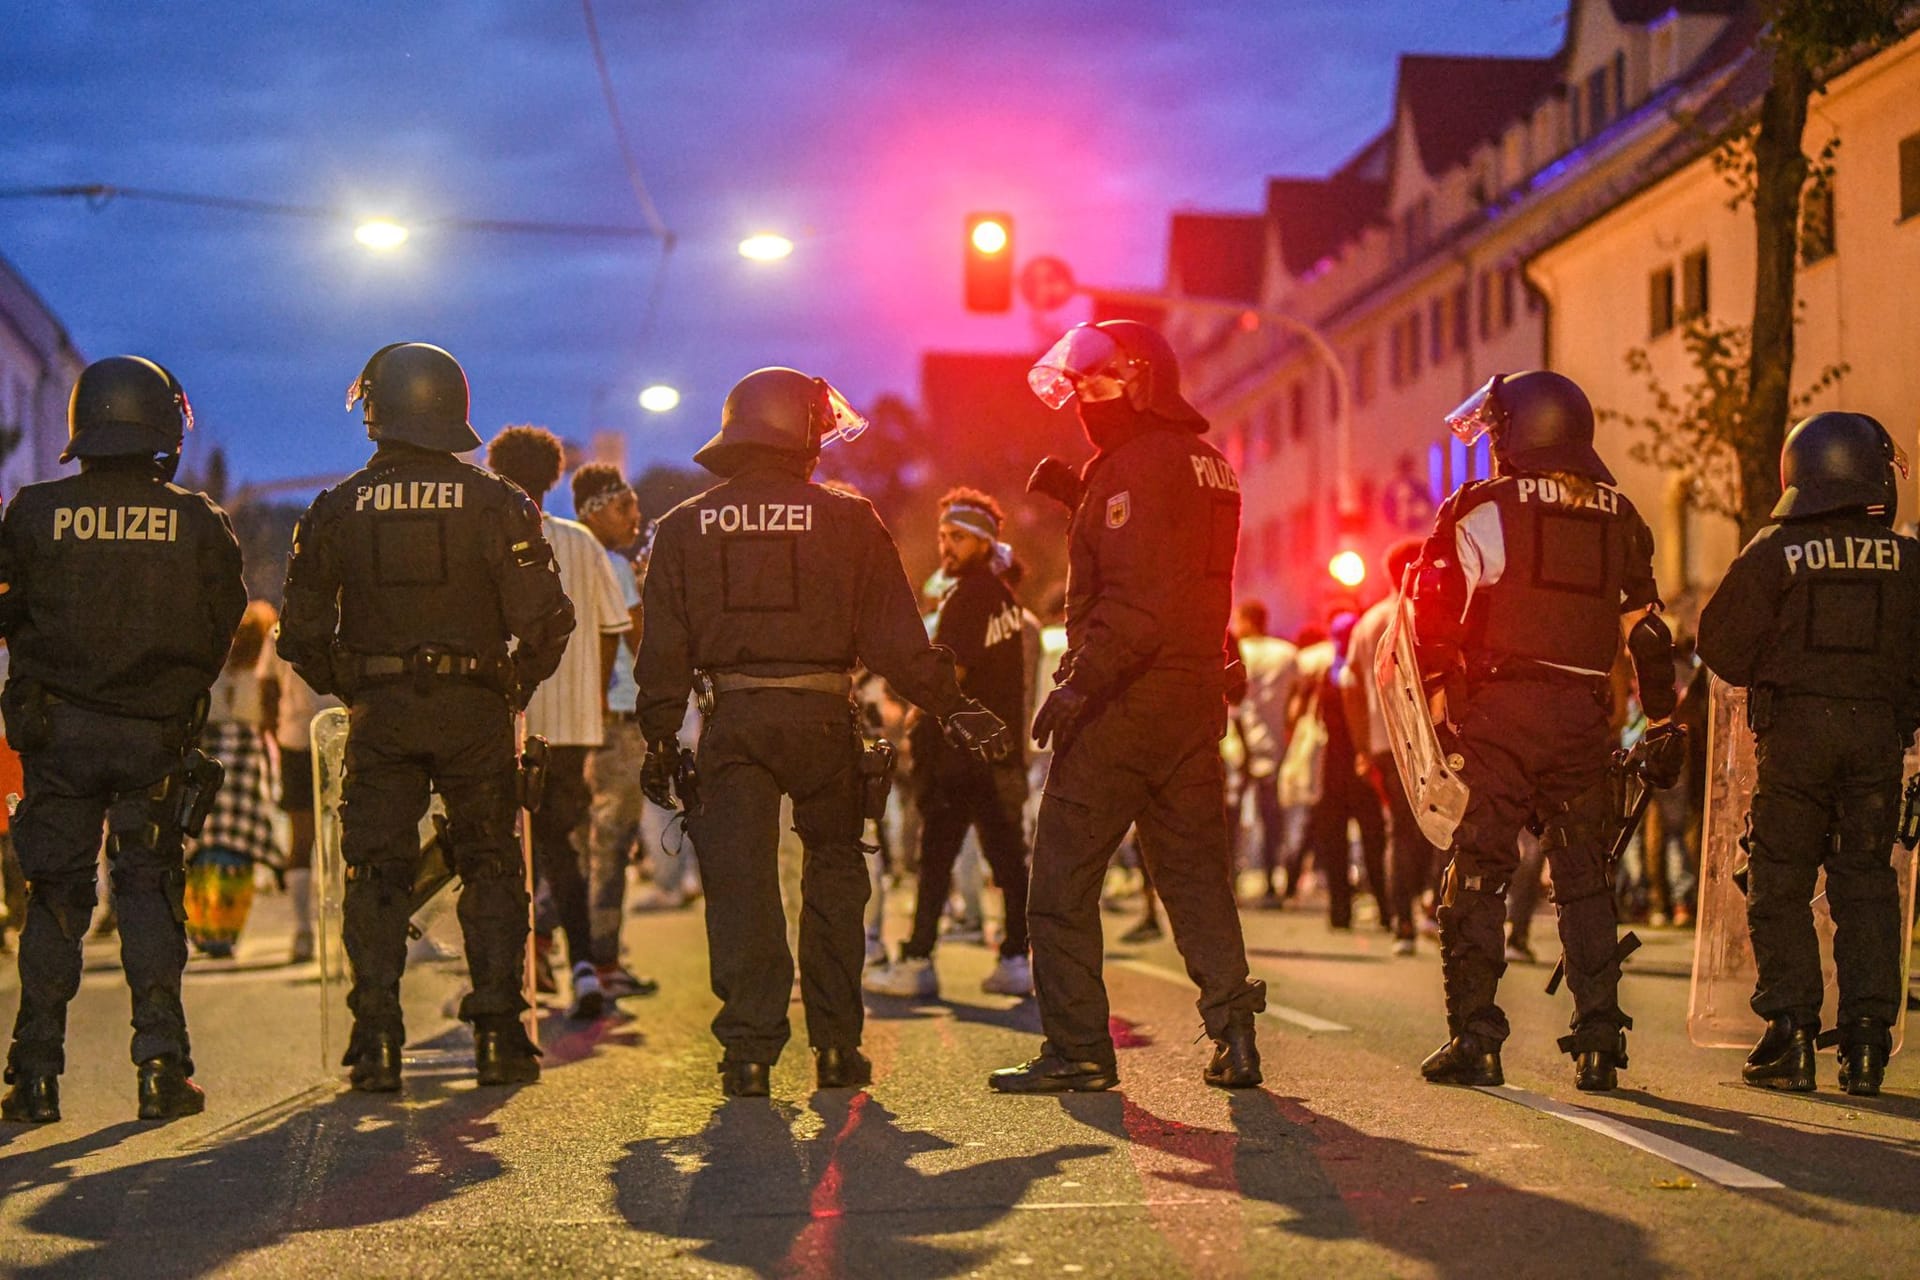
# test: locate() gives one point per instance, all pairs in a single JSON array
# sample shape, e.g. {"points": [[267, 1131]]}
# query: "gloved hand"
{"points": [[976, 729], [1055, 479], [1059, 717], [1663, 755], [656, 773]]}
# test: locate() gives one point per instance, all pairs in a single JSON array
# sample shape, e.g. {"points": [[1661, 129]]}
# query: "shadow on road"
{"points": [[843, 1201], [1338, 1183], [350, 1162]]}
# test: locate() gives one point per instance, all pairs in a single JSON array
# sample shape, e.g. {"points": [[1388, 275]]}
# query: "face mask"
{"points": [[1106, 422]]}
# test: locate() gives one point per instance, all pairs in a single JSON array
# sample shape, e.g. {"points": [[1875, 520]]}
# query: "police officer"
{"points": [[1138, 707], [407, 581], [770, 589], [1819, 618], [1521, 597], [122, 593]]}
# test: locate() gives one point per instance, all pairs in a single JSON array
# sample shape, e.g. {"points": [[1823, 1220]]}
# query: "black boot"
{"points": [[373, 1059], [841, 1069], [502, 1054], [1465, 1059], [1865, 1044], [746, 1079], [34, 1098], [1236, 1058], [1783, 1059], [166, 1090], [1051, 1073]]}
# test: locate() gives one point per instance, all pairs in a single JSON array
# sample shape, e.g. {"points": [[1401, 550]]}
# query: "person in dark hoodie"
{"points": [[1138, 707], [768, 590]]}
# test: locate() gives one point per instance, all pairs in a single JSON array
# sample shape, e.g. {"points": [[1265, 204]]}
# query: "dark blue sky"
{"points": [[865, 130]]}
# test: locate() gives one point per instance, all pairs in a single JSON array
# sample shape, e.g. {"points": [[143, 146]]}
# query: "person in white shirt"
{"points": [[569, 707]]}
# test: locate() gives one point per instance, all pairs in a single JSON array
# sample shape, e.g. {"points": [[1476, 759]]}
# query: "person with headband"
{"points": [[980, 622]]}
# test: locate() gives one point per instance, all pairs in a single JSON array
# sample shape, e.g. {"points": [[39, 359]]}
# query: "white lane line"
{"points": [[1712, 1168], [1285, 1013]]}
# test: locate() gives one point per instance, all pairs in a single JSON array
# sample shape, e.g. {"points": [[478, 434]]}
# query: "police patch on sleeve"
{"points": [[1119, 508]]}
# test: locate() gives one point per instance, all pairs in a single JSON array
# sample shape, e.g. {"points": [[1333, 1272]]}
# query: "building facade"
{"points": [[38, 367]]}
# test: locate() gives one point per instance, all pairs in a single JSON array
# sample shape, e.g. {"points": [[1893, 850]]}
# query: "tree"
{"points": [[1805, 39]]}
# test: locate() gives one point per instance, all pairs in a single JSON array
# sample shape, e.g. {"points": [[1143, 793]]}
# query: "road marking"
{"points": [[1285, 1013], [1712, 1168]]}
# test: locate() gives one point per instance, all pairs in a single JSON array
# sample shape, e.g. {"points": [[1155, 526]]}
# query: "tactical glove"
{"points": [[1055, 479], [656, 773], [976, 729], [1663, 755], [1059, 717]]}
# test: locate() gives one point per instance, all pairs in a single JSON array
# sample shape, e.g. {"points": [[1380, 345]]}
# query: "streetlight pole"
{"points": [[1342, 384]]}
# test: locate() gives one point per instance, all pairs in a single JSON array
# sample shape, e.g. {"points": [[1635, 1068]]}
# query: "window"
{"points": [[1816, 221], [1413, 345], [1459, 318], [1486, 305], [1910, 177], [1598, 102], [1619, 84], [1436, 332], [1297, 404], [1573, 115], [1364, 374], [1397, 355], [1659, 302], [1693, 285], [1509, 286]]}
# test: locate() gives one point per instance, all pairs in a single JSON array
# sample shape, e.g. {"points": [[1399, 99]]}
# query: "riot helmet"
{"points": [[1539, 421], [127, 407], [782, 411], [1834, 461], [417, 394], [1110, 361]]}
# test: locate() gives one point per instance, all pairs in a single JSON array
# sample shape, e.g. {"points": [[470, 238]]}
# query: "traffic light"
{"points": [[989, 250]]}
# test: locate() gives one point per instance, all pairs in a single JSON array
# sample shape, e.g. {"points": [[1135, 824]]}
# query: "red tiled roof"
{"points": [[1217, 255], [1459, 102]]}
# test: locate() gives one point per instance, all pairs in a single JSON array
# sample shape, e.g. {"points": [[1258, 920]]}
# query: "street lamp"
{"points": [[659, 398], [765, 246], [1349, 569], [381, 234]]}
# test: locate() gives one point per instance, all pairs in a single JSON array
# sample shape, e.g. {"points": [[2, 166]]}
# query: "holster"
{"points": [[200, 776], [1760, 708], [876, 778], [686, 782], [1910, 815], [24, 705]]}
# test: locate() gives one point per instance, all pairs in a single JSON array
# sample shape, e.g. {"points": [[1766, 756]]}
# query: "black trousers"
{"points": [[758, 745], [988, 799], [1827, 796], [1149, 757], [1536, 750], [403, 741], [1410, 854], [1344, 796], [99, 770], [564, 803]]}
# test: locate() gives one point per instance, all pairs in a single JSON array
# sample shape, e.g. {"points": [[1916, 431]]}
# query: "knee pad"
{"points": [[70, 899]]}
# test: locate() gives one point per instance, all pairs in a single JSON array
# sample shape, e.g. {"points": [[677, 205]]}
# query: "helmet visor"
{"points": [[1086, 362], [843, 421], [1479, 413], [356, 389]]}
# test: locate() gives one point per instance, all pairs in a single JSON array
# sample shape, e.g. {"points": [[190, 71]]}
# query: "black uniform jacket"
{"points": [[421, 549], [123, 589], [1150, 564], [1829, 606], [768, 574]]}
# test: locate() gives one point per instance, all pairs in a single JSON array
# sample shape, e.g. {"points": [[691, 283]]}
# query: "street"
{"points": [[624, 1158]]}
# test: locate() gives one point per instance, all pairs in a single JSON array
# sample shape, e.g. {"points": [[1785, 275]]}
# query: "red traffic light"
{"points": [[989, 258]]}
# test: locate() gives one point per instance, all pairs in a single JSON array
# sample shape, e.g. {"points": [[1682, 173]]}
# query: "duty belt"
{"points": [[426, 662], [838, 682]]}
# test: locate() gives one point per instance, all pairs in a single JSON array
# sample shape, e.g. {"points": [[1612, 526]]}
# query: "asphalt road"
{"points": [[625, 1159]]}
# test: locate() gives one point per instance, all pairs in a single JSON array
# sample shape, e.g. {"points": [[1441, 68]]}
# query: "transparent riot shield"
{"points": [[1719, 1015], [432, 987], [1432, 778]]}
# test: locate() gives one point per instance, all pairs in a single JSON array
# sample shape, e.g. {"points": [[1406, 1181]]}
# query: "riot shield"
{"points": [[1719, 1015], [429, 988], [1434, 787]]}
